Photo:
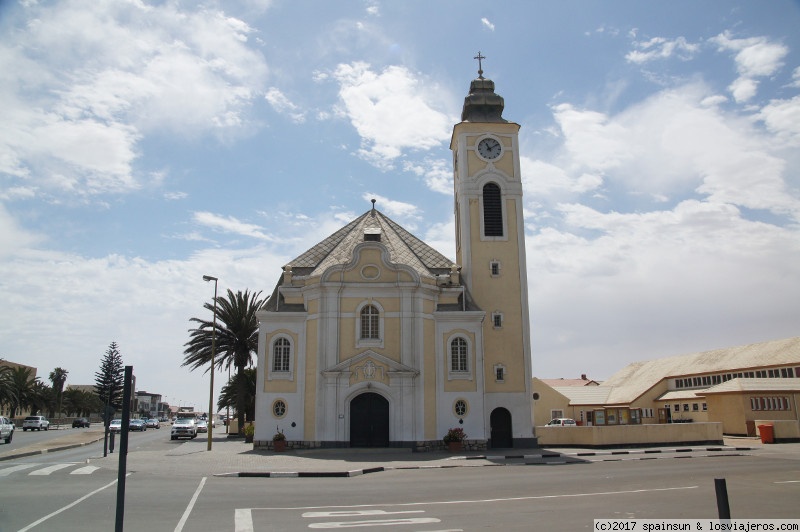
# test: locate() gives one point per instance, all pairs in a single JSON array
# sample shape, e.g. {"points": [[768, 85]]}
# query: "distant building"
{"points": [[734, 386]]}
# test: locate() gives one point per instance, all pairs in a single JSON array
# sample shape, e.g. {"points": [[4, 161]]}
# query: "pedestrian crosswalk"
{"points": [[43, 470]]}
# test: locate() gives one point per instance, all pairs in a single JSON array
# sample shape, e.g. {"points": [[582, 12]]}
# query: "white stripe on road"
{"points": [[7, 471], [379, 522], [67, 507], [474, 501], [243, 520], [49, 469], [188, 510], [86, 470]]}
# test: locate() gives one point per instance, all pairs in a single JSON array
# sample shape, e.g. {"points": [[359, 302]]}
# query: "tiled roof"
{"points": [[635, 379], [404, 248], [337, 249]]}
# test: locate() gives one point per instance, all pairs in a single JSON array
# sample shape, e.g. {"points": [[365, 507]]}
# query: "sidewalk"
{"points": [[231, 457]]}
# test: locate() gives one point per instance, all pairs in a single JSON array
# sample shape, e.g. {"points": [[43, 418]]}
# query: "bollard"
{"points": [[111, 443], [723, 508]]}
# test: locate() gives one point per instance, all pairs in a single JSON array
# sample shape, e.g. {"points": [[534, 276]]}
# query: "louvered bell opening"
{"points": [[492, 211]]}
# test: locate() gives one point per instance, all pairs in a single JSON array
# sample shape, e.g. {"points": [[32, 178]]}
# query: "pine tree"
{"points": [[110, 379]]}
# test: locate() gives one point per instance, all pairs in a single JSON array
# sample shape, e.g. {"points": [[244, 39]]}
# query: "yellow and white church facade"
{"points": [[372, 338]]}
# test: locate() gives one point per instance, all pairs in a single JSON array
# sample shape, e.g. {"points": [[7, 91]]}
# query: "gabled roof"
{"points": [[635, 379], [585, 395], [404, 248], [570, 382], [337, 249]]}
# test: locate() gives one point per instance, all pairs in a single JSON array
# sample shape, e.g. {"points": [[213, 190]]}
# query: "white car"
{"points": [[35, 423], [184, 427], [562, 422], [6, 429], [115, 425]]}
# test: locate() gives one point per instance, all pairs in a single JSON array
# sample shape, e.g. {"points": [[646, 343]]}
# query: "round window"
{"points": [[460, 407], [279, 408]]}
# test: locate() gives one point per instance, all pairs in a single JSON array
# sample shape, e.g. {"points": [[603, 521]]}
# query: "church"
{"points": [[372, 338]]}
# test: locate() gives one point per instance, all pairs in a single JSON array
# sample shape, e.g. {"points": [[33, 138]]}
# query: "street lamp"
{"points": [[213, 356]]}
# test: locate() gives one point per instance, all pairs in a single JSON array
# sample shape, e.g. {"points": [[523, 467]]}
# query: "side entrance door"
{"points": [[500, 421], [369, 421]]}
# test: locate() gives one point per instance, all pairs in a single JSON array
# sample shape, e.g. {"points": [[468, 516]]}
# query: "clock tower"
{"points": [[490, 247]]}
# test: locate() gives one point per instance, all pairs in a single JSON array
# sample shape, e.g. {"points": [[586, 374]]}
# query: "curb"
{"points": [[22, 454]]}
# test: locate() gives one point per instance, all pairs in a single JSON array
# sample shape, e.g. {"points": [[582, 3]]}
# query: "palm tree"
{"points": [[229, 394], [24, 390], [58, 377], [5, 384], [236, 340], [81, 402]]}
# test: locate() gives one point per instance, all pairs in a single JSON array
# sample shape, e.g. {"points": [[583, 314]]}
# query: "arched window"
{"points": [[459, 355], [281, 354], [370, 323], [492, 210]]}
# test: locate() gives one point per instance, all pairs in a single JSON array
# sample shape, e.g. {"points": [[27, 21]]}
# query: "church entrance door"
{"points": [[500, 421], [369, 421]]}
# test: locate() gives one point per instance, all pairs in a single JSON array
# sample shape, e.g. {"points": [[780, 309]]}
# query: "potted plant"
{"points": [[279, 442], [249, 432], [454, 439]]}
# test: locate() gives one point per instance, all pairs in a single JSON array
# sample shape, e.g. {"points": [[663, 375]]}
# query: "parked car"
{"points": [[202, 425], [153, 423], [35, 423], [6, 429], [562, 422], [137, 424], [116, 425], [80, 422], [184, 427]]}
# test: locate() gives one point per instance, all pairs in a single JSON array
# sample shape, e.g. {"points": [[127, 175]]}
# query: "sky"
{"points": [[144, 144]]}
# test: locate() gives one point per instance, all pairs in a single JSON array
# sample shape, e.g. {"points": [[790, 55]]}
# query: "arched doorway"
{"points": [[369, 421], [500, 422]]}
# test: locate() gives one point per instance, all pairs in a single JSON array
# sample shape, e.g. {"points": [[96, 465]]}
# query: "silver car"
{"points": [[35, 423]]}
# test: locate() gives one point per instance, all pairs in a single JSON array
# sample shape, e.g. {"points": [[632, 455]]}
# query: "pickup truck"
{"points": [[6, 429]]}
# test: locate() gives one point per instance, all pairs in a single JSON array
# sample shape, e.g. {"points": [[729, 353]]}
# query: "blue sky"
{"points": [[146, 144]]}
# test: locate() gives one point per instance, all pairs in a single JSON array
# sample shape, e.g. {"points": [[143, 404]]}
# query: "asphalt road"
{"points": [[164, 491]]}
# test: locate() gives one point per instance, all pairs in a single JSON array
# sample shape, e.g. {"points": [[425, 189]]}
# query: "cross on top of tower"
{"points": [[480, 58]]}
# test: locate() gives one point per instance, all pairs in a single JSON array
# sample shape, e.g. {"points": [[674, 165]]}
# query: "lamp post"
{"points": [[213, 356]]}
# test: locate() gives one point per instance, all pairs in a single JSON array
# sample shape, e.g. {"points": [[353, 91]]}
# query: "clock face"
{"points": [[489, 148]]}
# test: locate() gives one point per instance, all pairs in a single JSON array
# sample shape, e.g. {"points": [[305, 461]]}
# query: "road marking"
{"points": [[188, 510], [786, 481], [474, 501], [353, 513], [67, 507], [7, 471], [379, 522], [243, 520], [49, 469], [86, 470]]}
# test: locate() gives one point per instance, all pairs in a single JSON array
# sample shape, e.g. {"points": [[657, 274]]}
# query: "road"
{"points": [[167, 489]]}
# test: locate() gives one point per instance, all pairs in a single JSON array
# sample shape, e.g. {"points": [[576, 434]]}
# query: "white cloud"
{"points": [[661, 48], [672, 145], [230, 224], [85, 81], [487, 24], [755, 57], [283, 105], [438, 174], [391, 111], [393, 208]]}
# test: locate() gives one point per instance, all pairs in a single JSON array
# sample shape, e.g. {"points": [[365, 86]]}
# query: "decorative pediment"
{"points": [[369, 365]]}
